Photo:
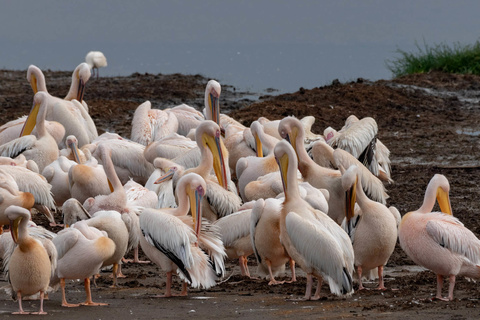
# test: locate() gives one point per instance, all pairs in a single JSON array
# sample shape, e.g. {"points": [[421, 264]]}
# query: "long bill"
{"points": [[292, 138], [81, 90], [14, 227], [283, 165], [215, 145], [214, 105], [73, 147], [31, 120], [444, 201], [350, 199], [167, 176], [258, 145], [196, 197]]}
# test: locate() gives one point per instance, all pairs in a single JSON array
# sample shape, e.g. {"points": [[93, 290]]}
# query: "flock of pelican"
{"points": [[192, 189]]}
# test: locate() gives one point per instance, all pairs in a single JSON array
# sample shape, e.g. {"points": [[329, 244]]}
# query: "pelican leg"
{"points": [[245, 266], [40, 311], [439, 288], [241, 263], [451, 286], [64, 300], [381, 285], [116, 273], [319, 287], [168, 292], [292, 270], [272, 278], [20, 309], [88, 300], [359, 272], [135, 257], [308, 290], [184, 289]]}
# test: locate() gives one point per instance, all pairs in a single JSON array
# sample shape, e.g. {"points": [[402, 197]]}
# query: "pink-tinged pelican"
{"points": [[221, 199], [81, 252], [29, 266], [264, 232], [321, 177], [438, 241], [311, 238], [212, 101], [80, 76], [42, 150], [149, 125], [95, 60], [177, 242], [235, 231], [109, 221], [373, 229]]}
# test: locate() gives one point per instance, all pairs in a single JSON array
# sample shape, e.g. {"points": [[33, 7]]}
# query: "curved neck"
{"points": [[40, 123], [23, 228], [291, 187], [72, 92], [110, 170], [429, 199], [183, 202], [39, 81]]}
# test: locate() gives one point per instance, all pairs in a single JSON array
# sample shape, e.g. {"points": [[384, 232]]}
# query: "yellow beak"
{"points": [[351, 198], [258, 146], [283, 165], [14, 226], [167, 176], [444, 201], [215, 145], [31, 120]]}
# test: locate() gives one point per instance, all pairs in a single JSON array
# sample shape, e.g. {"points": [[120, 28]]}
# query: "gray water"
{"points": [[253, 45]]}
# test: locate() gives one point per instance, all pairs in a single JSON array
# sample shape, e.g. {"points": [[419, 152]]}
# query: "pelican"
{"points": [[71, 152], [359, 137], [235, 231], [95, 60], [109, 221], [20, 161], [42, 150], [251, 168], [25, 279], [164, 191], [150, 125], [138, 195], [311, 238], [171, 146], [56, 174], [212, 101], [264, 232], [221, 198], [80, 76], [438, 241], [321, 177], [30, 182], [188, 118], [81, 252], [175, 241], [373, 229]]}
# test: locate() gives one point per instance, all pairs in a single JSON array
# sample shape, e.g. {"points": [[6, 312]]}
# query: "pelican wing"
{"points": [[170, 236], [65, 240], [224, 201], [234, 226], [450, 233], [210, 240], [322, 154], [321, 250], [15, 147]]}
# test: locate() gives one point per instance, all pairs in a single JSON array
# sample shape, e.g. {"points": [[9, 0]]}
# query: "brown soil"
{"points": [[429, 122]]}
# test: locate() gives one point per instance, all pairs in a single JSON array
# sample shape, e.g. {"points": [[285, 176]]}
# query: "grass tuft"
{"points": [[440, 57]]}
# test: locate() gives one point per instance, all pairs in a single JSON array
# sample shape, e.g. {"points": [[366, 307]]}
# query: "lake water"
{"points": [[252, 45]]}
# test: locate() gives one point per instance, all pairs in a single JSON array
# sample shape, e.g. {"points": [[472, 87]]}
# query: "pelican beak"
{"points": [[33, 83], [283, 165], [292, 139], [31, 120], [215, 145], [258, 145], [74, 148], [214, 105], [81, 90], [14, 228], [444, 201], [350, 199], [196, 197], [110, 185], [167, 176]]}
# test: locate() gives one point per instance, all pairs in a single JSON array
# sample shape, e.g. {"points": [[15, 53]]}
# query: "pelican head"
{"points": [[212, 101], [39, 98], [72, 143], [82, 74], [15, 214], [440, 182], [195, 188], [285, 157], [349, 184], [256, 127], [33, 77], [290, 128]]}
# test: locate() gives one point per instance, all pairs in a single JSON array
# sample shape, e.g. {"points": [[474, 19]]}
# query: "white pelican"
{"points": [[235, 231], [175, 241], [212, 101], [20, 161], [43, 150], [150, 125], [373, 229], [30, 182], [264, 230], [438, 241], [95, 60], [109, 221], [25, 279], [56, 174], [81, 252], [221, 198], [321, 177], [359, 137], [311, 238], [164, 191], [80, 76]]}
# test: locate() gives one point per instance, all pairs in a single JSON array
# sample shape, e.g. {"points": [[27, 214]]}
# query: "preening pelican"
{"points": [[43, 150], [264, 232], [174, 241], [438, 241], [235, 231], [95, 60], [311, 238], [109, 221], [25, 279], [81, 252], [321, 177], [373, 229], [212, 101], [80, 76], [150, 125]]}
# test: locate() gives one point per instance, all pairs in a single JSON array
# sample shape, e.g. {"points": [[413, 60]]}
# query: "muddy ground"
{"points": [[430, 123]]}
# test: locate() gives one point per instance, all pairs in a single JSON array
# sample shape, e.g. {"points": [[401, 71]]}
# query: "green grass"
{"points": [[440, 57]]}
